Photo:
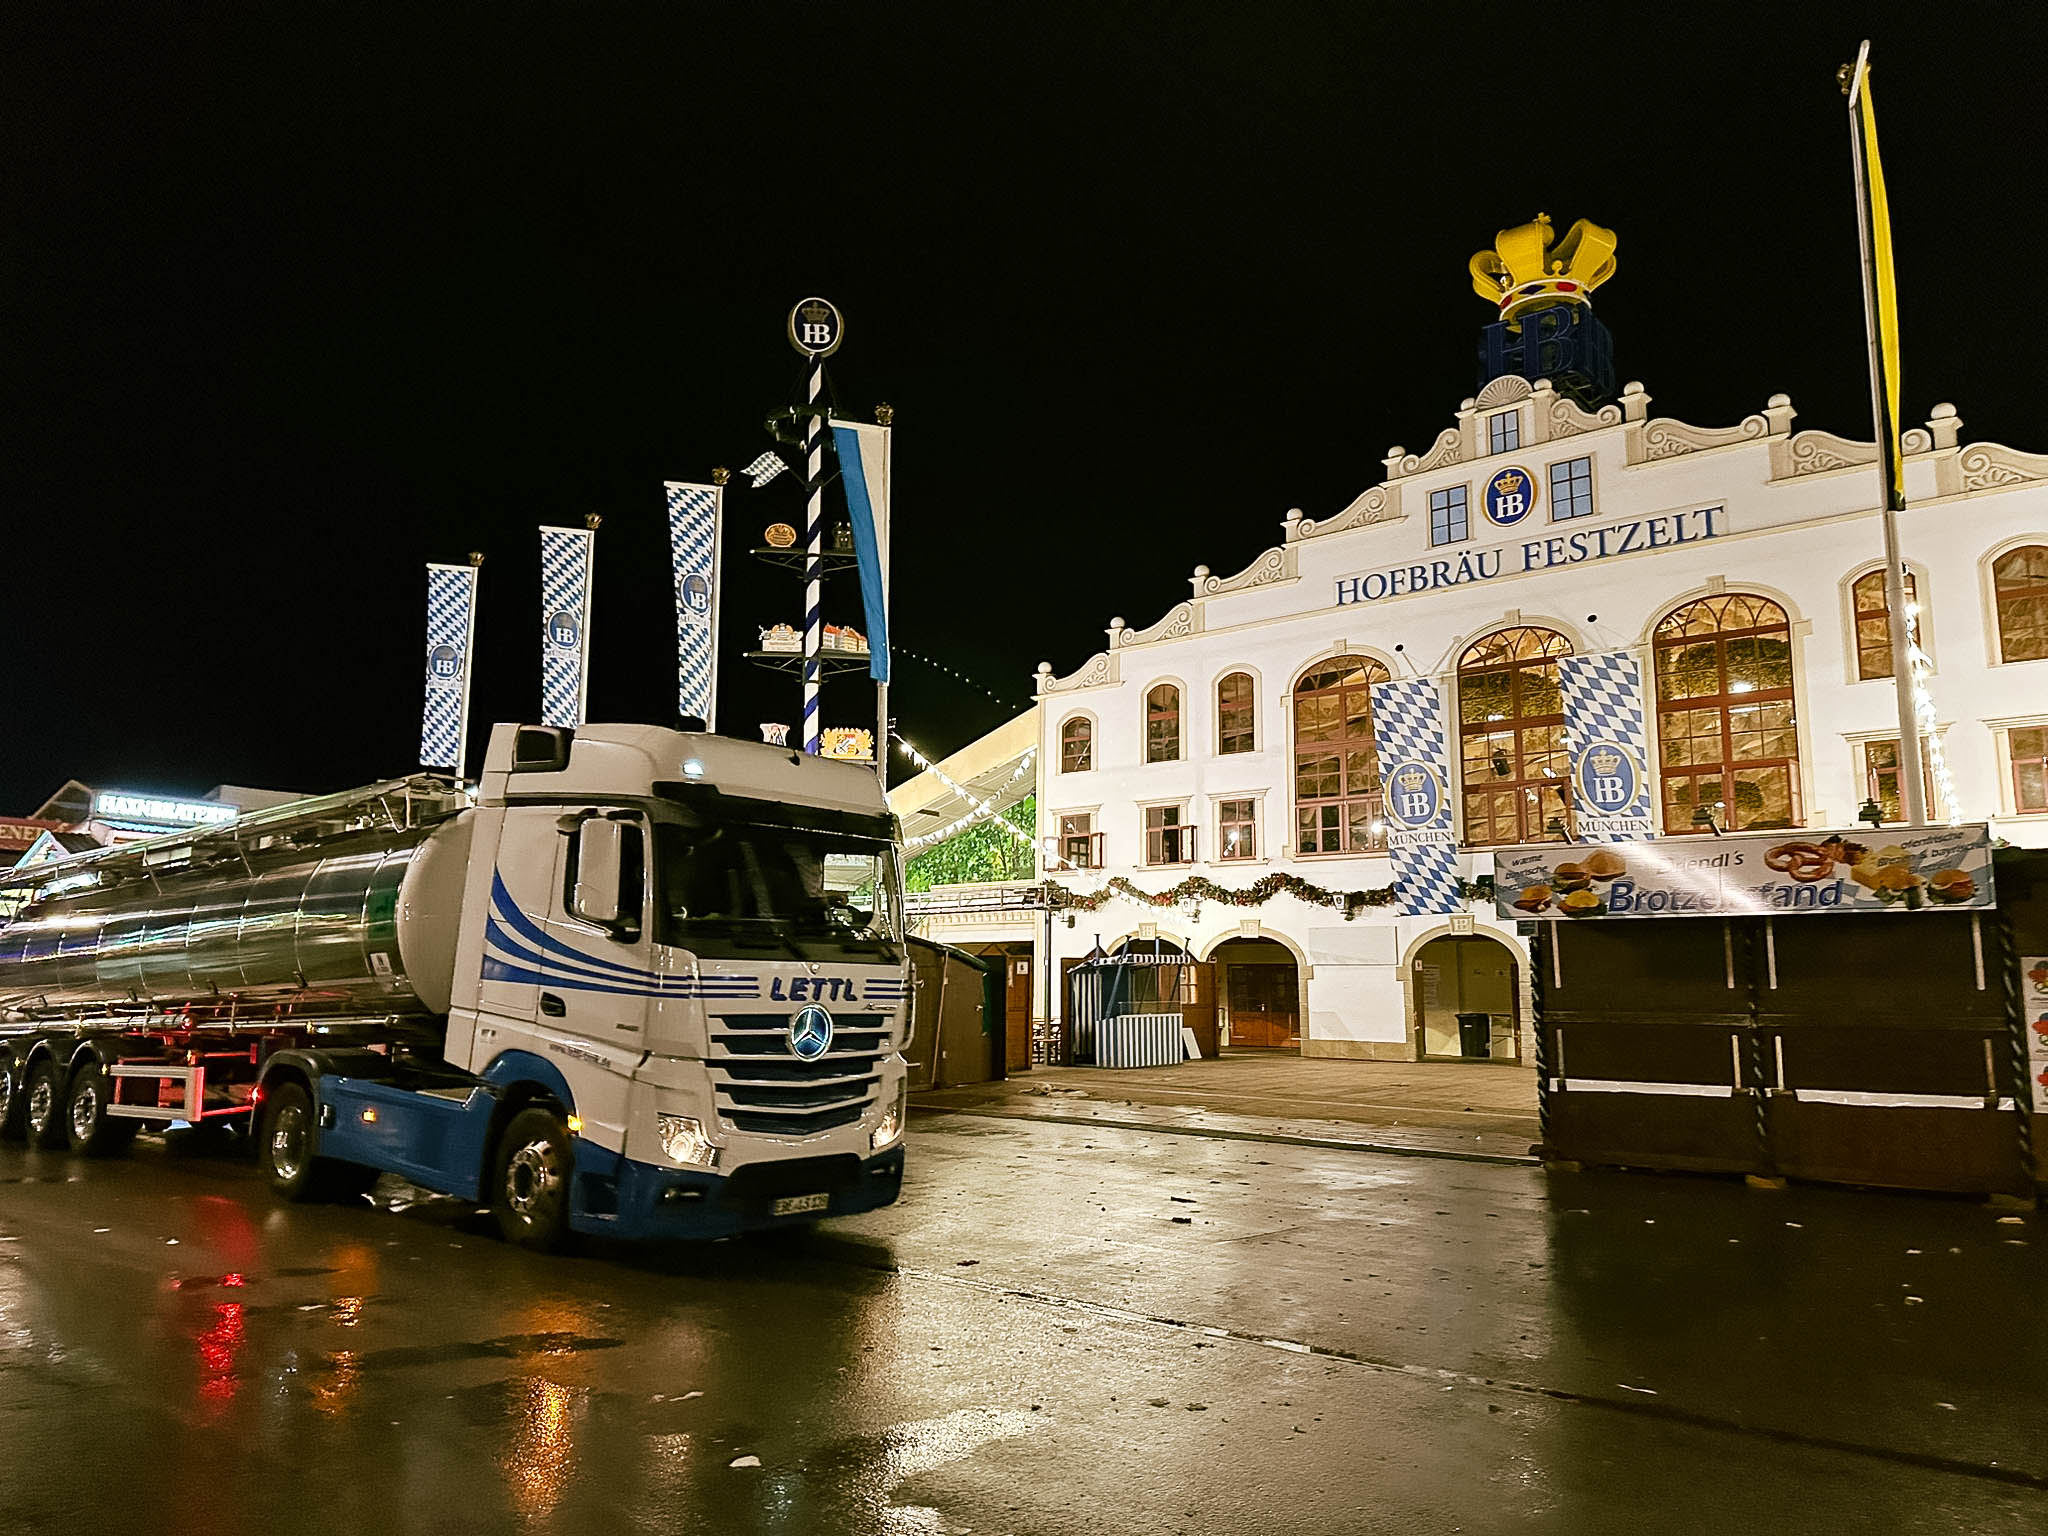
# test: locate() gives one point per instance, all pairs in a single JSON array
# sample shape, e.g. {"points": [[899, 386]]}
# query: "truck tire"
{"points": [[13, 1099], [287, 1147], [44, 1114], [87, 1125], [530, 1181]]}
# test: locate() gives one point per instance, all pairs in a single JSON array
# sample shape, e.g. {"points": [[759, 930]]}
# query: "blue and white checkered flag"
{"points": [[695, 517], [451, 627], [1408, 731], [1603, 722], [566, 556], [764, 469]]}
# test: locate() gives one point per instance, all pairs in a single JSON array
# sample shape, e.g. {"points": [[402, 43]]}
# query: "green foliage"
{"points": [[982, 852]]}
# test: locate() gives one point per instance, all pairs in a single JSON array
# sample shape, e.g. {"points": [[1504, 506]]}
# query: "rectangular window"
{"points": [[1881, 779], [2027, 751], [1571, 489], [1504, 432], [1080, 844], [1168, 839], [1448, 520], [1237, 834]]}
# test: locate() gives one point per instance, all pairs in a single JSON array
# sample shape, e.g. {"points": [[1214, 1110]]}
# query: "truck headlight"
{"points": [[891, 1125], [683, 1141]]}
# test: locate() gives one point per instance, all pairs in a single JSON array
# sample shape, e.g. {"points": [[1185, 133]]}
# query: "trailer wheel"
{"points": [[530, 1182], [87, 1125], [13, 1099], [45, 1111]]}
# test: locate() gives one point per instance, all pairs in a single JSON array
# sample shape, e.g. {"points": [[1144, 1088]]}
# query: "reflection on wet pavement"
{"points": [[1031, 1343]]}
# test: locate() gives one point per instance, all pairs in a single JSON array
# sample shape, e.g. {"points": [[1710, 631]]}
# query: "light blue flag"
{"points": [[1603, 721], [864, 471], [565, 562]]}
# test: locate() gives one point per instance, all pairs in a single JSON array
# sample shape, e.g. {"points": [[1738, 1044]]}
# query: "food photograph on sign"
{"points": [[1894, 870]]}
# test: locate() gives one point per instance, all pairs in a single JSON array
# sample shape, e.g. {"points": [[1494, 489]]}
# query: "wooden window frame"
{"points": [[1179, 716], [1724, 702], [1249, 727], [1180, 834], [2029, 591], [1331, 816], [1879, 613], [1521, 779], [1249, 821], [1086, 724]]}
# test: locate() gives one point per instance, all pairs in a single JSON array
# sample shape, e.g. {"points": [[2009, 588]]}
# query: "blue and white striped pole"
{"points": [[814, 556]]}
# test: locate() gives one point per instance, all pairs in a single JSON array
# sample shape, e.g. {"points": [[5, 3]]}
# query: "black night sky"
{"points": [[293, 299]]}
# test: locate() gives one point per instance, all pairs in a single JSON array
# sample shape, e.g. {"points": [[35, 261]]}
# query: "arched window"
{"points": [[1511, 737], [1726, 714], [1336, 770], [1162, 724], [1235, 715], [1874, 623], [1077, 745], [2019, 580]]}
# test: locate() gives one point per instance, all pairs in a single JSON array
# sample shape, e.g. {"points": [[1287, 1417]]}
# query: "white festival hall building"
{"points": [[1742, 565]]}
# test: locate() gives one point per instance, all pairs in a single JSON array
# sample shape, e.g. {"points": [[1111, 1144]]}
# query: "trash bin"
{"points": [[1475, 1034]]}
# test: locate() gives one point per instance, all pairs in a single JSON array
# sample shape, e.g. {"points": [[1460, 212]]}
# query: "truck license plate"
{"points": [[792, 1205]]}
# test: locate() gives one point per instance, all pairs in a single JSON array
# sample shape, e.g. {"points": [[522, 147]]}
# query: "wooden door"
{"points": [[1263, 1007], [1017, 1013]]}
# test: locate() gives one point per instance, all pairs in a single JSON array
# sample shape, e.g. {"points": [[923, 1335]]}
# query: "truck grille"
{"points": [[764, 1086]]}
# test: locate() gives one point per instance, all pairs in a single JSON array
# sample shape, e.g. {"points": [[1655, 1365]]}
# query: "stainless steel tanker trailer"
{"points": [[642, 982]]}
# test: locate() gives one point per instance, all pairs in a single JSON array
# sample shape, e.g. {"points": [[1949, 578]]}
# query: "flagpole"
{"points": [[476, 563], [1912, 790], [886, 416], [591, 521], [814, 555]]}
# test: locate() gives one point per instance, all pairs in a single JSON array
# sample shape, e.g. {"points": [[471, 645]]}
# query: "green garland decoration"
{"points": [[1257, 894]]}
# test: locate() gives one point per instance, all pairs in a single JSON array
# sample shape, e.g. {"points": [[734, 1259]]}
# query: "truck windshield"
{"points": [[728, 887]]}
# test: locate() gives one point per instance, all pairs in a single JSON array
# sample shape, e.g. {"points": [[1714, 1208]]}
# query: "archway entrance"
{"points": [[1467, 1000], [1259, 986]]}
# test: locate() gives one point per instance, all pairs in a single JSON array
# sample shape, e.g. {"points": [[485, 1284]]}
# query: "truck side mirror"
{"points": [[600, 844]]}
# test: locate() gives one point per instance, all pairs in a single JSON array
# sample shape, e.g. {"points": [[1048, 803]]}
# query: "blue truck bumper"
{"points": [[617, 1197]]}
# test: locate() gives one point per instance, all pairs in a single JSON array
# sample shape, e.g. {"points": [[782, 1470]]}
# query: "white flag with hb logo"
{"points": [[451, 628], [695, 515], [566, 556]]}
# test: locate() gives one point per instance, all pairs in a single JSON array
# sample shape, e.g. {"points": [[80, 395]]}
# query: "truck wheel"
{"points": [[530, 1184], [287, 1144], [87, 1125], [13, 1099], [44, 1114]]}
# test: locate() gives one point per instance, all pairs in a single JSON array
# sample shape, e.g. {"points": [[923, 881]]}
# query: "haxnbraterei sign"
{"points": [[1894, 869]]}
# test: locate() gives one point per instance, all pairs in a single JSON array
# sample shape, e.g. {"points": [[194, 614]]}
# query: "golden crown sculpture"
{"points": [[1606, 761], [1530, 268], [1411, 778]]}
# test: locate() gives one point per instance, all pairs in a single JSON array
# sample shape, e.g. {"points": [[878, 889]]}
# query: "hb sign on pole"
{"points": [[451, 628], [1603, 721], [1408, 731], [566, 555], [695, 516]]}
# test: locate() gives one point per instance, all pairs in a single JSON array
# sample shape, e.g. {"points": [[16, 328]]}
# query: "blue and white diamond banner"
{"points": [[1610, 762], [696, 513], [1408, 731], [451, 627], [566, 556]]}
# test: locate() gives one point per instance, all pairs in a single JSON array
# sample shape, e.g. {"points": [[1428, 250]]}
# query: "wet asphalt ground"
{"points": [[1061, 1329]]}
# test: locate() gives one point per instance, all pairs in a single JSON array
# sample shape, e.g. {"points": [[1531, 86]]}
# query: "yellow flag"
{"points": [[1885, 286]]}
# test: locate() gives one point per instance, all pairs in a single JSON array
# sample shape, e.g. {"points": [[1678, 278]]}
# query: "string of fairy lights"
{"points": [[1921, 667], [979, 809], [899, 648]]}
